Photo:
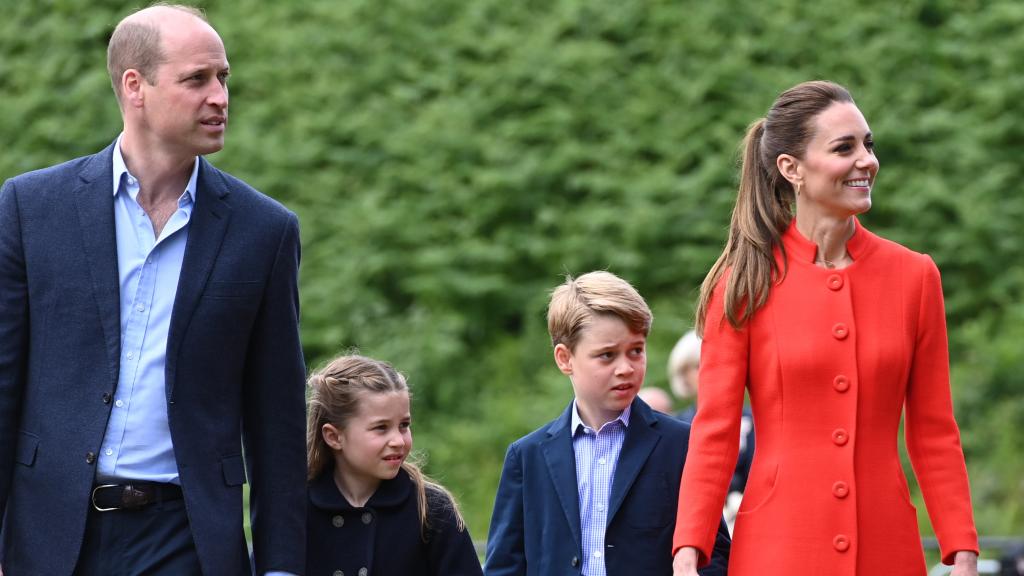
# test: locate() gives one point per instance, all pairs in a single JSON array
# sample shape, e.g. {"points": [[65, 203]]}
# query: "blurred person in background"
{"points": [[684, 378], [656, 398], [834, 332]]}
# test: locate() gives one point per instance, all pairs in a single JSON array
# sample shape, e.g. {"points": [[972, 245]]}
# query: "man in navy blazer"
{"points": [[594, 491], [149, 330]]}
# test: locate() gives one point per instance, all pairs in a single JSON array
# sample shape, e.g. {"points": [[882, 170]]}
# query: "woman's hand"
{"points": [[685, 562], [965, 563]]}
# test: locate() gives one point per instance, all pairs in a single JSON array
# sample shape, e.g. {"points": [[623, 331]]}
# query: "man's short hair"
{"points": [[576, 302], [135, 44]]}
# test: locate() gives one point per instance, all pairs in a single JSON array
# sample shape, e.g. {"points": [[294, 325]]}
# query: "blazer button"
{"points": [[367, 517], [575, 561], [90, 457], [339, 573], [840, 331], [840, 489], [835, 282], [841, 543], [840, 437], [363, 572], [338, 521], [106, 398], [841, 383]]}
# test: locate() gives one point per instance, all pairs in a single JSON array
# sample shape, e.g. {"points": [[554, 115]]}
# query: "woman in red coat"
{"points": [[834, 332]]}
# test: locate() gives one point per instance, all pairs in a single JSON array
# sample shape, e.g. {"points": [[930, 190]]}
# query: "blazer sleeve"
{"points": [[932, 435], [450, 547], [506, 547], [273, 420], [714, 446], [13, 333]]}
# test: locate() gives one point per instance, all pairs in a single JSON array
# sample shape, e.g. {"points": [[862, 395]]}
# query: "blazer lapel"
{"points": [[206, 230], [94, 203], [641, 438], [561, 461]]}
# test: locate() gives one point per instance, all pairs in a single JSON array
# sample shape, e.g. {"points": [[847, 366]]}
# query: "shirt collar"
{"points": [[121, 168], [576, 423]]}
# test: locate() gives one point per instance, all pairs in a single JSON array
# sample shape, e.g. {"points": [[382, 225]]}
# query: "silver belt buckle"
{"points": [[93, 497]]}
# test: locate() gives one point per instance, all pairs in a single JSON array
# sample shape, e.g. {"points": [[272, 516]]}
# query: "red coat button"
{"points": [[841, 543], [840, 332], [835, 282], [841, 383], [840, 489], [840, 437]]}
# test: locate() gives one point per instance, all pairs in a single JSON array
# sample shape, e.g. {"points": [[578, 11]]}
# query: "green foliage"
{"points": [[450, 161]]}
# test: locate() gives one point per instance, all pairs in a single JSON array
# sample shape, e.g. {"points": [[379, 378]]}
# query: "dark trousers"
{"points": [[153, 541]]}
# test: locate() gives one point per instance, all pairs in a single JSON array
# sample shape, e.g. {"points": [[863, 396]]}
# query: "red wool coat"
{"points": [[831, 361]]}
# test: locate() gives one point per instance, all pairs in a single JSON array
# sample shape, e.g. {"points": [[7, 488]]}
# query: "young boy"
{"points": [[594, 492]]}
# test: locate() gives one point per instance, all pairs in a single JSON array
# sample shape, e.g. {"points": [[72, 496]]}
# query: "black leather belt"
{"points": [[133, 496]]}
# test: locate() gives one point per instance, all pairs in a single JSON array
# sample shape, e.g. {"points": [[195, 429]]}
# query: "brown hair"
{"points": [[578, 300], [334, 394], [764, 201], [135, 44]]}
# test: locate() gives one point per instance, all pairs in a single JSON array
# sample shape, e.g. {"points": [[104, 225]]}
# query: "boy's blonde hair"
{"points": [[334, 395], [576, 302]]}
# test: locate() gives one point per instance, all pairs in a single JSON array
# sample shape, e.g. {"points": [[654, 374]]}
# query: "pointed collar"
{"points": [[575, 423], [324, 494], [803, 250]]}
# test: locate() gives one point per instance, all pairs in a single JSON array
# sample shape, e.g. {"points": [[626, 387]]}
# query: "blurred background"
{"points": [[451, 160]]}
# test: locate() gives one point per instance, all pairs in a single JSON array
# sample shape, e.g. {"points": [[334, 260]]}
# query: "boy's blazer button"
{"points": [[106, 398], [338, 521], [90, 457], [575, 561]]}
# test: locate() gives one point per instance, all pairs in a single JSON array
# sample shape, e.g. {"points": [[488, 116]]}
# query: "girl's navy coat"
{"points": [[384, 537]]}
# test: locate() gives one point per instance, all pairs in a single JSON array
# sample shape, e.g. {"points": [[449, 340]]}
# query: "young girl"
{"points": [[372, 512]]}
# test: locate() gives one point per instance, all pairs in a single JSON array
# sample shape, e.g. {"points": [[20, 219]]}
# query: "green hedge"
{"points": [[451, 160]]}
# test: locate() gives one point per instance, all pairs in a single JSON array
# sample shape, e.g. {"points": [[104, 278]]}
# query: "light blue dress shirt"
{"points": [[137, 443], [597, 454]]}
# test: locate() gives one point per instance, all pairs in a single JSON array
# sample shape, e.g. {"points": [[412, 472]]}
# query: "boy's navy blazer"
{"points": [[535, 529], [234, 367]]}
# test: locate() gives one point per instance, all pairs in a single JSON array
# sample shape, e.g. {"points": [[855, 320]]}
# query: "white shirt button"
{"points": [[597, 554], [601, 461], [140, 308], [600, 507], [130, 355], [109, 452], [119, 403]]}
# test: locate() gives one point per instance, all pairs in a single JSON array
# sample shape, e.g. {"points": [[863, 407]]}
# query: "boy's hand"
{"points": [[685, 562], [965, 563]]}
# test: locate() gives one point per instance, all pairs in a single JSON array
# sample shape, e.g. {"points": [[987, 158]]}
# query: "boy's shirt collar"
{"points": [[576, 422]]}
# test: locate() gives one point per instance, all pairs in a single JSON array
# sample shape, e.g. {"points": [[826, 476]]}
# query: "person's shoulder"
{"points": [[244, 196], [45, 177], [541, 433], [894, 250]]}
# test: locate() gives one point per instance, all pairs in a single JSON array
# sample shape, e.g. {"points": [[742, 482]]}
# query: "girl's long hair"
{"points": [[764, 202], [334, 394]]}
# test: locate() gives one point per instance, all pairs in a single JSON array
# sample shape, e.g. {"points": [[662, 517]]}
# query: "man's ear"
{"points": [[131, 88], [332, 436], [563, 357], [791, 169]]}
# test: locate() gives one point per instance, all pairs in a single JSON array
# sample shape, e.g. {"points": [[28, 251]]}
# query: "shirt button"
{"points": [[108, 452], [363, 572], [597, 554], [119, 403], [140, 308], [840, 331], [840, 489], [131, 355], [841, 383], [106, 398], [600, 507], [835, 282], [90, 457], [601, 461], [367, 517], [840, 437], [841, 543], [338, 521]]}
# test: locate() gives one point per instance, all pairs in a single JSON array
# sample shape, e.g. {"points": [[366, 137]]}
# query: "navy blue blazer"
{"points": [[384, 536], [535, 528], [234, 367]]}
